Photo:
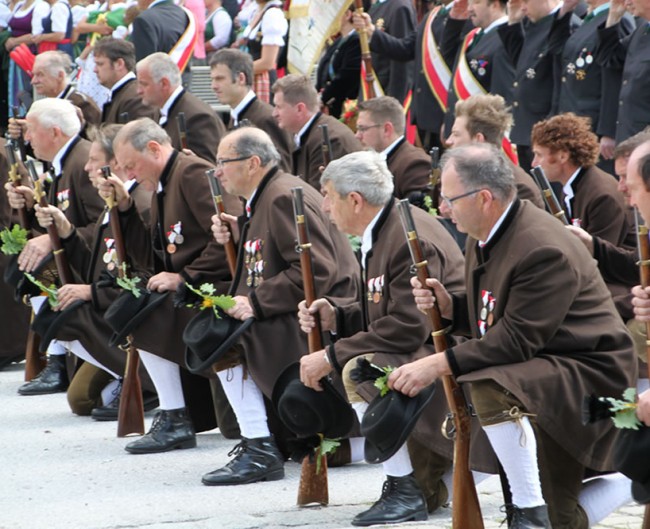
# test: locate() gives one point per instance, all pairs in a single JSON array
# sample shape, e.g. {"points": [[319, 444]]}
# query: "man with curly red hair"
{"points": [[566, 148]]}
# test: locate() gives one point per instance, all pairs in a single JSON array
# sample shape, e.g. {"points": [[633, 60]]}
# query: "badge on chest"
{"points": [[376, 289], [486, 311], [175, 237], [110, 256], [63, 199], [254, 262]]}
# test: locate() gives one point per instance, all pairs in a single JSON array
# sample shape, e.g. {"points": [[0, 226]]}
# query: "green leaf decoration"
{"points": [[381, 383], [51, 291], [129, 283], [327, 446], [14, 240], [428, 202], [210, 301], [624, 410], [355, 242]]}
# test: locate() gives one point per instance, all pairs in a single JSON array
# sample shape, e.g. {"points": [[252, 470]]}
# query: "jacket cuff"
{"points": [[453, 363], [331, 355], [257, 308]]}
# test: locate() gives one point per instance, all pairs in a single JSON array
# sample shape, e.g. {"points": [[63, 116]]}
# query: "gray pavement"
{"points": [[58, 470]]}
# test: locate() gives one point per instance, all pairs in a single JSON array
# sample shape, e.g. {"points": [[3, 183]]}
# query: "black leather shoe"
{"points": [[170, 429], [529, 518], [401, 501], [255, 460], [53, 379], [6, 361], [110, 411]]}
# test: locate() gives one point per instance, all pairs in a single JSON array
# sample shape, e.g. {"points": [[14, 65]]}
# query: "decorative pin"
{"points": [[530, 73]]}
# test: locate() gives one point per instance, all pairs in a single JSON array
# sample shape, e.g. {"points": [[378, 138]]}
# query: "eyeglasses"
{"points": [[449, 201], [223, 161], [362, 129]]}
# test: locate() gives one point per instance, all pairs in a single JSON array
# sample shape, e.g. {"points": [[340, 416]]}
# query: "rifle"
{"points": [[466, 510], [130, 415], [62, 265], [366, 58], [182, 129], [434, 153], [35, 362], [16, 181], [550, 199], [20, 141], [326, 144], [217, 195], [313, 486]]}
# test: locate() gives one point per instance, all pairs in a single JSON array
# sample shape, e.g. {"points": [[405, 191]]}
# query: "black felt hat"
{"points": [[307, 412], [208, 338], [631, 459], [47, 322], [389, 420], [45, 272], [127, 312]]}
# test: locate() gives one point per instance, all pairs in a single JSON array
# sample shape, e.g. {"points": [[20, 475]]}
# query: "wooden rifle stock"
{"points": [[365, 54], [35, 362], [326, 144], [313, 487], [182, 129], [16, 181], [217, 196], [130, 415], [466, 510], [547, 192], [62, 265]]}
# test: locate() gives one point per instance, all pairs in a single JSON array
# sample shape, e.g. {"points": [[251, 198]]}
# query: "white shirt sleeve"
{"points": [[222, 25], [5, 15], [274, 28], [41, 10], [60, 14]]}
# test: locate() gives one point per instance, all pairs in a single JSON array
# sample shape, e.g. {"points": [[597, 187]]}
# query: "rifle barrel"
{"points": [[217, 196], [466, 510]]}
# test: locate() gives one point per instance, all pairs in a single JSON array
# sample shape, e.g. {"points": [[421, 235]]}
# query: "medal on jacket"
{"points": [[175, 237], [110, 256], [378, 291], [371, 289], [486, 313], [253, 262], [63, 199]]}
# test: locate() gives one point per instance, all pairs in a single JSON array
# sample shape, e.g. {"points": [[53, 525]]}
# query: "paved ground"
{"points": [[62, 471]]}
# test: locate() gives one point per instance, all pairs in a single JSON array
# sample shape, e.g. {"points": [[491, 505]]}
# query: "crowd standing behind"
{"points": [[498, 86]]}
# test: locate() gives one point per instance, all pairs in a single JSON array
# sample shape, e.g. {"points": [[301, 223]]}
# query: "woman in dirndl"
{"points": [[264, 36], [57, 29], [19, 90]]}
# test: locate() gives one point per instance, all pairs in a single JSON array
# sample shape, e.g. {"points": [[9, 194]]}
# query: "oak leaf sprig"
{"points": [[207, 292], [624, 411], [50, 292], [14, 240]]}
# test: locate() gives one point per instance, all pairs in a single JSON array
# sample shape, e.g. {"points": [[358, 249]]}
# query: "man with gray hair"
{"points": [[268, 288], [50, 79], [231, 73], [536, 307], [159, 86], [380, 126], [179, 247], [383, 326], [297, 111], [52, 128]]}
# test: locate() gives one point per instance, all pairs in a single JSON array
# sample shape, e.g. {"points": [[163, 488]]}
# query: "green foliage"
{"points": [[51, 292], [207, 292], [428, 202], [129, 283], [14, 240], [355, 242], [381, 383], [624, 410], [327, 446]]}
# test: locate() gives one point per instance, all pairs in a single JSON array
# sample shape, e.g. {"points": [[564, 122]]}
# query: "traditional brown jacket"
{"points": [[269, 273], [126, 99], [411, 167], [545, 328], [308, 157]]}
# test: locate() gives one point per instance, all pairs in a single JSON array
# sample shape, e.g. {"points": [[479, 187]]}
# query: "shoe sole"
{"points": [[104, 418], [178, 446], [276, 475], [49, 392], [417, 517]]}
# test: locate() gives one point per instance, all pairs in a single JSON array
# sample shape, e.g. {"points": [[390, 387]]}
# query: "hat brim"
{"points": [[59, 321], [376, 454], [345, 414], [153, 301], [198, 365], [641, 492]]}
